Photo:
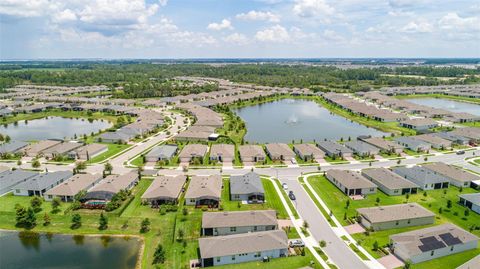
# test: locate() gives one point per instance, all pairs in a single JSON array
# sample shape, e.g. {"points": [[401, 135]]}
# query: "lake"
{"points": [[42, 251], [450, 105], [52, 128], [287, 119]]}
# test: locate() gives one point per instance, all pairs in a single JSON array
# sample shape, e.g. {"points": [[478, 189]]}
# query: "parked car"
{"points": [[460, 152], [285, 186], [291, 195], [294, 161], [296, 243]]}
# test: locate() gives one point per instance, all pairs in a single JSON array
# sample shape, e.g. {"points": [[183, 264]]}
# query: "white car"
{"points": [[285, 186]]}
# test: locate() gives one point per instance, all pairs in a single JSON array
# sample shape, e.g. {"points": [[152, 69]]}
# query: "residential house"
{"points": [[334, 149], [456, 175], [436, 141], [103, 192], [351, 183], [62, 149], [89, 151], [279, 152], [162, 153], [432, 243], [204, 191], [420, 124], [40, 183], [471, 200], [164, 190], [67, 190], [238, 248], [411, 143], [10, 178], [193, 151], [395, 216], [236, 222], [222, 153], [384, 145], [35, 149], [308, 152], [361, 148], [389, 182], [252, 153], [423, 177], [12, 147], [247, 187]]}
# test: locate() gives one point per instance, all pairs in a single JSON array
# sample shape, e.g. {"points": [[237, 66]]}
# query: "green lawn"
{"points": [[317, 203], [280, 263], [112, 150], [448, 262], [336, 201]]}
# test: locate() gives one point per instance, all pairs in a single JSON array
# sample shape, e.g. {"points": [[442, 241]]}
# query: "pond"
{"points": [[52, 128], [32, 250], [450, 105], [287, 119]]}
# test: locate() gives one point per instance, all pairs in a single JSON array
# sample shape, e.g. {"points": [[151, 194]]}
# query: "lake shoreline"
{"points": [[141, 240]]}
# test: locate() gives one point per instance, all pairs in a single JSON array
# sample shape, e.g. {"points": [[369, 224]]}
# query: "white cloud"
{"points": [[236, 38], [311, 8], [275, 33], [417, 27], [452, 21], [118, 12], [163, 2], [254, 15], [27, 8], [333, 36], [64, 16], [225, 24]]}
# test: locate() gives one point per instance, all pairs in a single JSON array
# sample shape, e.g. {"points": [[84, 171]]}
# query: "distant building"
{"points": [[361, 148], [161, 153], [279, 151], [193, 151], [252, 153], [334, 149], [103, 192], [351, 183], [41, 183], [222, 153], [421, 124], [456, 175], [308, 152], [10, 178], [424, 178], [67, 190], [384, 145], [389, 182], [471, 200], [164, 190]]}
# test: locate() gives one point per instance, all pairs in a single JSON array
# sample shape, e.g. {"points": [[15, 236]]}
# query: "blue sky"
{"points": [[31, 29]]}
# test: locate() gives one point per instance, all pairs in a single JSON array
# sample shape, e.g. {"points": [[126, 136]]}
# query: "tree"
{"points": [[377, 200], [7, 139], [36, 163], [56, 202], [407, 265], [407, 196], [305, 224], [323, 243], [76, 221], [20, 215], [30, 219], [347, 204], [79, 166], [145, 226], [424, 194], [159, 255], [108, 168], [36, 204], [449, 203], [103, 222], [46, 219], [375, 246]]}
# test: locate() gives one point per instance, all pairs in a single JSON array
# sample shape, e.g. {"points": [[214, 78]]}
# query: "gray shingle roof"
{"points": [[239, 218], [394, 212], [44, 181], [218, 246], [246, 184], [163, 151]]}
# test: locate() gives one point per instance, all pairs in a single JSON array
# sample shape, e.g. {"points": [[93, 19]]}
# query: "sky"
{"points": [[66, 29]]}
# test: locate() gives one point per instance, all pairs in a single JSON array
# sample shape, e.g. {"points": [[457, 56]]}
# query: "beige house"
{"points": [[351, 183], [395, 216], [389, 182], [279, 151], [252, 153], [432, 243], [204, 191], [68, 189], [222, 152], [384, 145], [192, 151], [308, 152], [62, 149], [164, 190], [235, 222], [36, 149], [89, 151]]}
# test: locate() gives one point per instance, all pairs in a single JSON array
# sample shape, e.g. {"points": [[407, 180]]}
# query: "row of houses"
{"points": [[53, 148], [240, 236], [400, 180], [417, 245]]}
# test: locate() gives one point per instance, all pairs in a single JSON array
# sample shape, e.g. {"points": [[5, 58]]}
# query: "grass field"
{"points": [[112, 150]]}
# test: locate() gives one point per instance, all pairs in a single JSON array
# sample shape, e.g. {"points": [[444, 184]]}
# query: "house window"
{"points": [[451, 249], [431, 253], [408, 221], [255, 228], [218, 259], [233, 229], [426, 186], [17, 191], [396, 223], [372, 189], [233, 257], [49, 196], [258, 254], [192, 200], [395, 191]]}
